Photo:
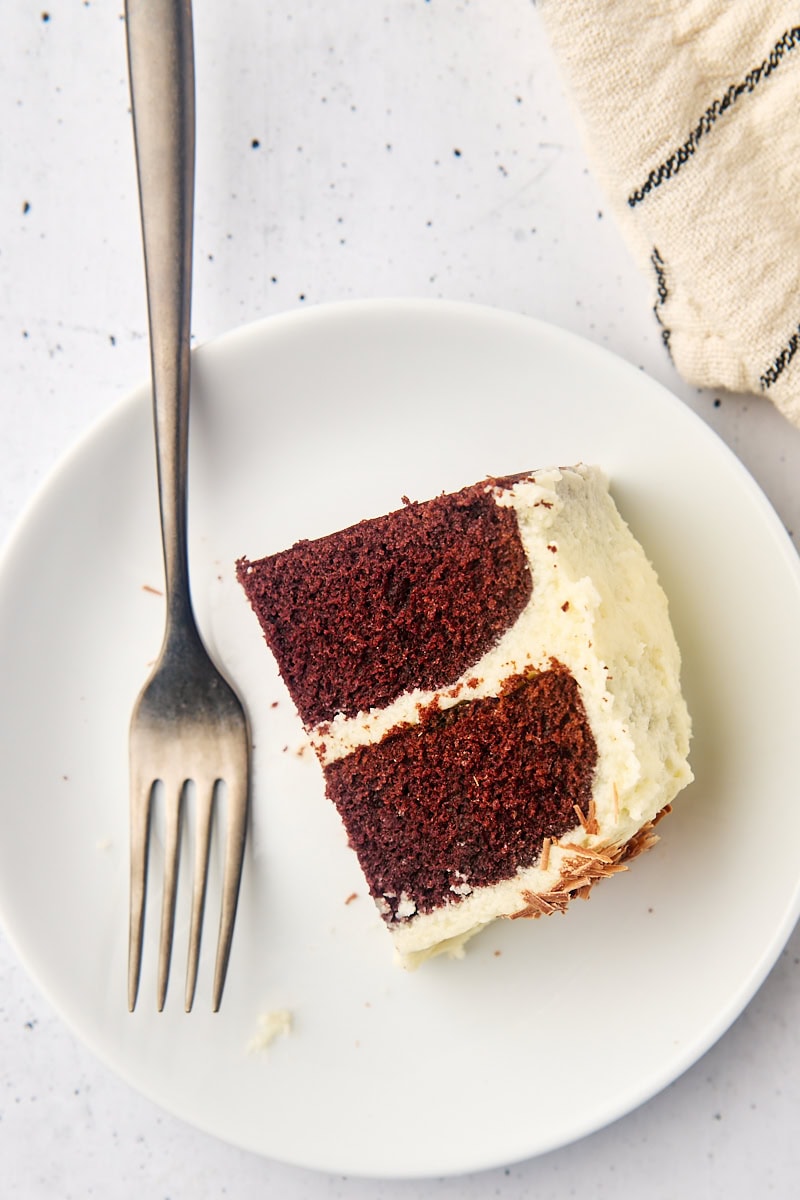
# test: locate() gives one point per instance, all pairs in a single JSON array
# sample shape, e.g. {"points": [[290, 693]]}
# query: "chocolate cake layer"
{"points": [[408, 600], [468, 796]]}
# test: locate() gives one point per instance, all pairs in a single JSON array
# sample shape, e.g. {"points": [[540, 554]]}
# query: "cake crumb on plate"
{"points": [[275, 1023]]}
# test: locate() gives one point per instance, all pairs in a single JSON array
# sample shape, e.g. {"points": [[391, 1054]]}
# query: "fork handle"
{"points": [[161, 71]]}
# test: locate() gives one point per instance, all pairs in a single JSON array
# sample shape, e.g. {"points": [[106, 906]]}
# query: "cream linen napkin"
{"points": [[690, 111]]}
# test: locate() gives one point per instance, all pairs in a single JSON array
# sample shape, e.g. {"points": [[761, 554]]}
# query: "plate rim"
{"points": [[226, 343]]}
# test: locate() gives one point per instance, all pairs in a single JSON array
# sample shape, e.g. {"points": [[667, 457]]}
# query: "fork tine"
{"points": [[140, 836], [204, 806], [172, 840], [237, 802]]}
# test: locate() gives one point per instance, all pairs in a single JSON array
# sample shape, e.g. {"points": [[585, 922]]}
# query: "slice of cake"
{"points": [[492, 686]]}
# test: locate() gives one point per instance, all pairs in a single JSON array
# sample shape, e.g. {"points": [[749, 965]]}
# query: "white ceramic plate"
{"points": [[545, 1031]]}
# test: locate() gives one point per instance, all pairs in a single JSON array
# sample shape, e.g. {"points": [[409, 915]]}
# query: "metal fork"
{"points": [[187, 724]]}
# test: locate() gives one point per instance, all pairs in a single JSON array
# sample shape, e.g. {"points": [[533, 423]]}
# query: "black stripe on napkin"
{"points": [[662, 295], [672, 165], [781, 362]]}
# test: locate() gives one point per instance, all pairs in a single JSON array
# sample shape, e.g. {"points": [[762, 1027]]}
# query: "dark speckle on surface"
{"points": [[26, 206]]}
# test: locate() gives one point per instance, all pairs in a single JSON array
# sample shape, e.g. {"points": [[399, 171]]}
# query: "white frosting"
{"points": [[275, 1023], [597, 607]]}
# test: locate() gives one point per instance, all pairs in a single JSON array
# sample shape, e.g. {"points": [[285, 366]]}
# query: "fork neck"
{"points": [[161, 65]]}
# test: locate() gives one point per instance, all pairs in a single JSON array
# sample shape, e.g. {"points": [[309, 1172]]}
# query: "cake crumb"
{"points": [[272, 1024], [153, 591], [353, 896]]}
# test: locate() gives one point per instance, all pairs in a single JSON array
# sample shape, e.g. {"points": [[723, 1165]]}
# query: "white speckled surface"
{"points": [[356, 149]]}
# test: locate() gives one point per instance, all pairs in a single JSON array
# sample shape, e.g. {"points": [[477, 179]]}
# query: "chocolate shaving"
{"points": [[594, 852], [542, 904], [544, 861]]}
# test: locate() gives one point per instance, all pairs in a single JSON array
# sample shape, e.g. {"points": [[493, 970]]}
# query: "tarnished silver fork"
{"points": [[188, 725]]}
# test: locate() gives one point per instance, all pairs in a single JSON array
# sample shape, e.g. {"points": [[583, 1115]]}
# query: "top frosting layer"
{"points": [[408, 600]]}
